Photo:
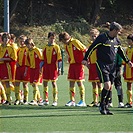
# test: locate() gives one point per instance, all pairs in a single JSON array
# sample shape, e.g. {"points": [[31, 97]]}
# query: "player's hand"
{"points": [[59, 72], [130, 64], [25, 74], [86, 63]]}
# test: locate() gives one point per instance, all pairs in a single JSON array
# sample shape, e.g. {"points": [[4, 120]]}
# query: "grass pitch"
{"points": [[26, 118]]}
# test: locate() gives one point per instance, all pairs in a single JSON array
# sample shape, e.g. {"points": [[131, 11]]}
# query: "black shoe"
{"points": [[128, 105], [108, 111], [16, 102], [102, 109], [6, 103], [93, 104]]}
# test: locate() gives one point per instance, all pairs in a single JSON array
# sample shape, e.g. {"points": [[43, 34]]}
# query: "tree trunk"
{"points": [[13, 7], [95, 11]]}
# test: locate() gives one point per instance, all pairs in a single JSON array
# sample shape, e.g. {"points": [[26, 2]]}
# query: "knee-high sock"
{"points": [[120, 93], [95, 95], [8, 94], [38, 95], [129, 96], [3, 94], [82, 92], [55, 94], [99, 93], [109, 97], [35, 93], [17, 93], [45, 93], [12, 87], [26, 92], [72, 93], [104, 96]]}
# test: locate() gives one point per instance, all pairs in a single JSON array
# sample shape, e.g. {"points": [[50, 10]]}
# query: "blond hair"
{"points": [[94, 31]]}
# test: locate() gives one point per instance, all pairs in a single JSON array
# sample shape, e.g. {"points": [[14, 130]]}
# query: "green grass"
{"points": [[26, 118]]}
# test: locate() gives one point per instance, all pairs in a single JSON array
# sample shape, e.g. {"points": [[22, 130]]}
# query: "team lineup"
{"points": [[103, 57]]}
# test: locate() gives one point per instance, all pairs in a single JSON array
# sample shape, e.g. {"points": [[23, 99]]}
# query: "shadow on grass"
{"points": [[28, 107], [122, 110]]}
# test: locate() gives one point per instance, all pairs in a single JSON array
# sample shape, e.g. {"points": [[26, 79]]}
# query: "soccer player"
{"points": [[34, 57], [2, 89], [51, 67], [128, 72], [117, 81], [3, 97], [93, 76], [75, 50], [15, 46], [107, 45], [8, 57], [22, 72]]}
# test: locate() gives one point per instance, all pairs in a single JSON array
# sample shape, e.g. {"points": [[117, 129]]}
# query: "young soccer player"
{"points": [[93, 76], [22, 72], [3, 97], [8, 57], [75, 50], [15, 46], [52, 67], [34, 57], [128, 72]]}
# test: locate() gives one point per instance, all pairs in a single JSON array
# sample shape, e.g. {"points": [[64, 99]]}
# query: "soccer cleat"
{"points": [[33, 103], [110, 105], [102, 109], [6, 103], [16, 102], [128, 105], [70, 103], [121, 105], [93, 104], [81, 104], [44, 103], [25, 102], [108, 111], [2, 101], [54, 104]]}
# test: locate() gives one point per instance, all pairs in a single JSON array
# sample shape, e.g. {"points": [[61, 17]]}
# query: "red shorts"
{"points": [[50, 72], [93, 76], [76, 72], [7, 71], [20, 74], [35, 76]]}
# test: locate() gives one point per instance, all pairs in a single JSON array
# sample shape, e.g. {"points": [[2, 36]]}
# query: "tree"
{"points": [[95, 11]]}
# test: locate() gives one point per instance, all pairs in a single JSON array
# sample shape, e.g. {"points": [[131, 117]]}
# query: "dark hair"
{"points": [[5, 35], [130, 36], [51, 34], [29, 41], [22, 37], [115, 26], [64, 36]]}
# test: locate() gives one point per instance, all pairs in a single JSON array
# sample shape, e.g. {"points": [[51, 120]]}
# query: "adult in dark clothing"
{"points": [[107, 45], [118, 83]]}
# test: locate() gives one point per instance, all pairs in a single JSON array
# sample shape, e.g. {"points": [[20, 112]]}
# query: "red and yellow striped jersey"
{"points": [[51, 54], [129, 71], [8, 52], [34, 57], [93, 56], [22, 55], [75, 50]]}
